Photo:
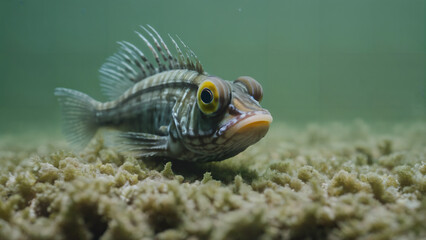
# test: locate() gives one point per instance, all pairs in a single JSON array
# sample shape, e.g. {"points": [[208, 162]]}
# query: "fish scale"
{"points": [[152, 101], [168, 108]]}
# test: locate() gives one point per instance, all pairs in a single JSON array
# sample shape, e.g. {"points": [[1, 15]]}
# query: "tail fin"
{"points": [[79, 115]]}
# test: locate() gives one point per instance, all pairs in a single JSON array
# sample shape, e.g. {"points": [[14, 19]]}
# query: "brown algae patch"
{"points": [[325, 181]]}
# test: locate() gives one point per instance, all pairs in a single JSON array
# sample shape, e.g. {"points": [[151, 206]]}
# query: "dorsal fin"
{"points": [[130, 65]]}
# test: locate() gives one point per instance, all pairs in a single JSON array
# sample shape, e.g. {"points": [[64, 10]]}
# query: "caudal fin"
{"points": [[79, 116]]}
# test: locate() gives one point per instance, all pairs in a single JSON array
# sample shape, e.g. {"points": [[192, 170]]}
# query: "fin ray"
{"points": [[79, 116], [130, 65], [139, 144]]}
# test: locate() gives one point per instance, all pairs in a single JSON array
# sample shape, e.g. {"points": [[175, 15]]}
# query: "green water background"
{"points": [[318, 61]]}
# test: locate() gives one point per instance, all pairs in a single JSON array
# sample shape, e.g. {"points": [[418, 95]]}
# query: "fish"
{"points": [[166, 106]]}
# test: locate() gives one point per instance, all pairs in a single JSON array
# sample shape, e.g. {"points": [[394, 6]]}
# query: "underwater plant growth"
{"points": [[328, 182]]}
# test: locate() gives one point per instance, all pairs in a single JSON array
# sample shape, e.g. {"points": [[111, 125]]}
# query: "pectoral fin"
{"points": [[143, 144]]}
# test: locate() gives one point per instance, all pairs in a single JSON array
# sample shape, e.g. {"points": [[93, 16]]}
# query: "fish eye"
{"points": [[212, 95], [206, 96], [253, 87]]}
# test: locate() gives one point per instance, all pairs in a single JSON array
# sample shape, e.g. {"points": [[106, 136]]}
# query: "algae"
{"points": [[335, 181]]}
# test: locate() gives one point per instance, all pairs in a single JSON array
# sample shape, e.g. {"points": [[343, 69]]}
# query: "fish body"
{"points": [[174, 110]]}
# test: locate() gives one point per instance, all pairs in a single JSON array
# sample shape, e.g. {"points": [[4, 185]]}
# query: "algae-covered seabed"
{"points": [[323, 181]]}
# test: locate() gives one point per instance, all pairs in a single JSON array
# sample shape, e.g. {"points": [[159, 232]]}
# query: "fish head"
{"points": [[232, 111]]}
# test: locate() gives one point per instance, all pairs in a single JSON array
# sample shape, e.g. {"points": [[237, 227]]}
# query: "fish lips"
{"points": [[248, 126]]}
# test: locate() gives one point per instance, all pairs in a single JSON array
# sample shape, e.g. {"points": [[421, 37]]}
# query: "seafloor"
{"points": [[323, 181]]}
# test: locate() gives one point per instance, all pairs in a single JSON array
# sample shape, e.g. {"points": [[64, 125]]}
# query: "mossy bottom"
{"points": [[335, 181]]}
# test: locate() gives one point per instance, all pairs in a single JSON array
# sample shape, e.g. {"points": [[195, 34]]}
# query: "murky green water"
{"points": [[317, 60]]}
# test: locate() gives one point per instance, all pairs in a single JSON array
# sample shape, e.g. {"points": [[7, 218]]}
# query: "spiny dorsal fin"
{"points": [[130, 65]]}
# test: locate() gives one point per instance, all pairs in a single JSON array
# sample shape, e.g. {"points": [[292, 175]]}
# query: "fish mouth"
{"points": [[248, 123]]}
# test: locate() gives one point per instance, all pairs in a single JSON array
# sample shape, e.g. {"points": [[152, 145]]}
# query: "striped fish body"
{"points": [[147, 106], [175, 111]]}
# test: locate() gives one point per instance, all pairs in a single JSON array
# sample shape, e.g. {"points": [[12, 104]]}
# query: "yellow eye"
{"points": [[212, 94]]}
